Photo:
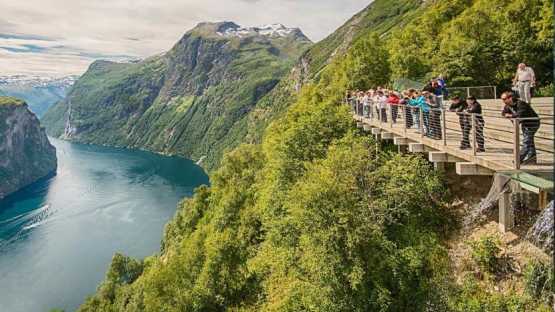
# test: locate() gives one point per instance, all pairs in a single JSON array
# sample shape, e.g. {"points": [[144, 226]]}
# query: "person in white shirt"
{"points": [[382, 105], [366, 104], [524, 80]]}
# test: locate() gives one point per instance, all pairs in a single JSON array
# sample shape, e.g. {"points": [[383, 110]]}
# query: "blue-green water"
{"points": [[57, 236]]}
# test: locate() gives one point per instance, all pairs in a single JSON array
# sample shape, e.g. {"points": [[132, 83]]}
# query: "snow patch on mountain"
{"points": [[271, 30], [37, 81]]}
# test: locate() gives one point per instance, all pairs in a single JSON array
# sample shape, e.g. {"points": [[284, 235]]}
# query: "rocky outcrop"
{"points": [[26, 155]]}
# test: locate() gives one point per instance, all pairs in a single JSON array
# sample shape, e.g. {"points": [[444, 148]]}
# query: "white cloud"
{"points": [[81, 30]]}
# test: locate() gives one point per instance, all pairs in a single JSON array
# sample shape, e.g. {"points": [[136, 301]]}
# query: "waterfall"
{"points": [[541, 234]]}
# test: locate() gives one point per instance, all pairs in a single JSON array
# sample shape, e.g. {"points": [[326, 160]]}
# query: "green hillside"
{"points": [[313, 218]]}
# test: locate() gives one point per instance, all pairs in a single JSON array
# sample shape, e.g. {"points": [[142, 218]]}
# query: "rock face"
{"points": [[26, 155], [193, 101]]}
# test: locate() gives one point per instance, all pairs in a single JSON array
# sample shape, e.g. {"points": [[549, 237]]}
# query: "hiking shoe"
{"points": [[529, 161]]}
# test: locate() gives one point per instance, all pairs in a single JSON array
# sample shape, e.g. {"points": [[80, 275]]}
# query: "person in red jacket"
{"points": [[393, 101]]}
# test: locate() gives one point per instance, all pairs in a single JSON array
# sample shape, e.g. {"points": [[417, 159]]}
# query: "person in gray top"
{"points": [[524, 80]]}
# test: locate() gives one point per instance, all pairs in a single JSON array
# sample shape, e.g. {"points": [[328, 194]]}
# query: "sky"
{"points": [[62, 37]]}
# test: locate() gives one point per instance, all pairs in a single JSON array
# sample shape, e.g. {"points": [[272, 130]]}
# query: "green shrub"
{"points": [[474, 297], [545, 91], [538, 278], [485, 253]]}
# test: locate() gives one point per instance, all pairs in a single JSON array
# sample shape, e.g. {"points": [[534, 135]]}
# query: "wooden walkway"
{"points": [[498, 136]]}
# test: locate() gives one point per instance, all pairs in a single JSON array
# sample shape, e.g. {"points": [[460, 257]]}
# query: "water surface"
{"points": [[57, 236]]}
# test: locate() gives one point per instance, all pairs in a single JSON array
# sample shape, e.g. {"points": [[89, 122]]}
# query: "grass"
{"points": [[8, 100]]}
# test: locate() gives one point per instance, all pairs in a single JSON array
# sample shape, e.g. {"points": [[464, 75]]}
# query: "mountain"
{"points": [[39, 92], [26, 155], [193, 101]]}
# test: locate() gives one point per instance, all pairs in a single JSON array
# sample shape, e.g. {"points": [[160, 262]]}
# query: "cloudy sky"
{"points": [[62, 37]]}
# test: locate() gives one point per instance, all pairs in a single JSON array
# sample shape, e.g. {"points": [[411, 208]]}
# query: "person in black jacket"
{"points": [[515, 108], [475, 111], [460, 106], [435, 117]]}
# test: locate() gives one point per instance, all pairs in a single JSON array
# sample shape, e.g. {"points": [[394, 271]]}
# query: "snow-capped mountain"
{"points": [[37, 81], [230, 29], [39, 92]]}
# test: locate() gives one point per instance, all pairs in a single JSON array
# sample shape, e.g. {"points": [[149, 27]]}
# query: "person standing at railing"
{"points": [[524, 81], [351, 100], [475, 111], [530, 123], [393, 102], [425, 106], [366, 104], [382, 105], [460, 106], [376, 100], [414, 104], [404, 102], [359, 103], [434, 127]]}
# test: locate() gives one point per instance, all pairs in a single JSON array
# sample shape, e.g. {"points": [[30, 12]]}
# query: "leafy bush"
{"points": [[545, 91], [485, 252], [538, 278], [473, 297]]}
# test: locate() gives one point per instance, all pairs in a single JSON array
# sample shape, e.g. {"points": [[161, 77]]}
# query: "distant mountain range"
{"points": [[39, 92]]}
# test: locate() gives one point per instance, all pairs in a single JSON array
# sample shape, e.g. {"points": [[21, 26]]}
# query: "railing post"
{"points": [[473, 116], [516, 141], [391, 115], [495, 92], [404, 110], [443, 127], [421, 125], [467, 92]]}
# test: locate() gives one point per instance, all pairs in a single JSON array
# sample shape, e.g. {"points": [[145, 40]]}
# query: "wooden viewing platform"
{"points": [[502, 145], [499, 137]]}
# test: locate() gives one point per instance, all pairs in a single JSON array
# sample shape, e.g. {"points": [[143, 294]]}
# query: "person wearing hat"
{"points": [[475, 109]]}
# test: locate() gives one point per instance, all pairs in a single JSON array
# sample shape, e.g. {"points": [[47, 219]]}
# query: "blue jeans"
{"points": [[367, 111], [426, 116], [416, 116], [528, 149]]}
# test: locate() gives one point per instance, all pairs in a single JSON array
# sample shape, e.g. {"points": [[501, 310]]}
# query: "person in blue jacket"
{"points": [[418, 103]]}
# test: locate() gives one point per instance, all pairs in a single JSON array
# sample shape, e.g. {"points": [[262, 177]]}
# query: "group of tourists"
{"points": [[422, 110], [417, 106]]}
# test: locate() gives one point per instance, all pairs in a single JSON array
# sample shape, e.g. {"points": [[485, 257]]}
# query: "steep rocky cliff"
{"points": [[26, 155], [192, 101]]}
